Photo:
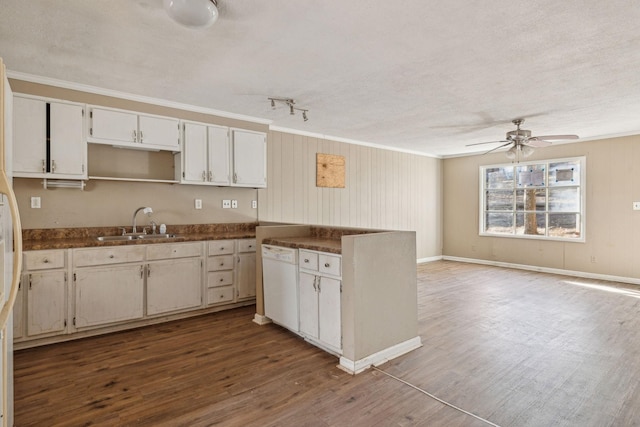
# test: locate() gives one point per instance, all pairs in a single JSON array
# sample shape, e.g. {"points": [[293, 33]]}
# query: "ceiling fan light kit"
{"points": [[522, 143], [192, 13]]}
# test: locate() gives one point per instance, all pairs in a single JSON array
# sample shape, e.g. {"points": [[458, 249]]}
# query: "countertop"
{"points": [[320, 244], [83, 237]]}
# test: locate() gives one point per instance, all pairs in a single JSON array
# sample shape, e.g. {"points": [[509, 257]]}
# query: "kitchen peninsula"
{"points": [[378, 301]]}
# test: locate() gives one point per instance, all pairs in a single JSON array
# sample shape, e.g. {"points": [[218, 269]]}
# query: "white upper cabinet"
{"points": [[249, 158], [48, 139], [205, 154], [133, 130]]}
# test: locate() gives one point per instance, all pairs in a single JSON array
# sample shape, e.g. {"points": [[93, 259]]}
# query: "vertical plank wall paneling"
{"points": [[384, 189]]}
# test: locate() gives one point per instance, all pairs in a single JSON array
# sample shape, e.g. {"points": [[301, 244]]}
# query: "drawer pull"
{"points": [[46, 261], [326, 264], [222, 264], [306, 260], [221, 279], [111, 256]]}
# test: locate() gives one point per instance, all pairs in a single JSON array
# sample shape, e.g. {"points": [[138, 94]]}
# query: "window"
{"points": [[541, 200]]}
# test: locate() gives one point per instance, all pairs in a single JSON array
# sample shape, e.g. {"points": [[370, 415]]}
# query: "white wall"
{"points": [[384, 189]]}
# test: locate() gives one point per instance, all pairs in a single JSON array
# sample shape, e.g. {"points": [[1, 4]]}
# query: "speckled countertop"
{"points": [[331, 245], [82, 237]]}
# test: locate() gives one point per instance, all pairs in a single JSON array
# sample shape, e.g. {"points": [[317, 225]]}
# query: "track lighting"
{"points": [[290, 102]]}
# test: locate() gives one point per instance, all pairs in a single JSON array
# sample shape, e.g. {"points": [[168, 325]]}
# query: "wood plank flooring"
{"points": [[514, 347]]}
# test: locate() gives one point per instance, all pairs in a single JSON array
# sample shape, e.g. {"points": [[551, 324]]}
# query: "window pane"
{"points": [[533, 199], [564, 225], [531, 223], [564, 173], [565, 199], [501, 177], [499, 200], [499, 223], [531, 175]]}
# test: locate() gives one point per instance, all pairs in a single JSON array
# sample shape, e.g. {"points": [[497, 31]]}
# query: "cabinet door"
{"points": [[108, 294], [174, 285], [219, 158], [330, 329], [249, 159], [18, 310], [46, 302], [159, 131], [246, 276], [68, 147], [308, 304], [195, 153], [113, 126], [29, 135]]}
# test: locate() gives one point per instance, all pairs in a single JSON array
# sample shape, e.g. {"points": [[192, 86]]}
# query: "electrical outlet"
{"points": [[226, 204], [198, 203], [35, 202], [234, 204], [636, 206], [254, 204], [593, 259]]}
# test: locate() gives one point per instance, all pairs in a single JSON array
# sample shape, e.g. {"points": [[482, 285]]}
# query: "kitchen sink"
{"points": [[135, 237], [114, 238]]}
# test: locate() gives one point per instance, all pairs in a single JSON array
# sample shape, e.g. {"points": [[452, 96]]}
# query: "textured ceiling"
{"points": [[426, 76]]}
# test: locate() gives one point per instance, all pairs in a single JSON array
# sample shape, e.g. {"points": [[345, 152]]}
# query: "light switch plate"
{"points": [[35, 202], [234, 204], [198, 203], [636, 206], [226, 204]]}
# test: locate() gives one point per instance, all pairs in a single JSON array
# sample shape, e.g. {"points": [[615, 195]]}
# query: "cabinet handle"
{"points": [[141, 137], [111, 256], [318, 277], [221, 279], [235, 178], [44, 165], [141, 272], [148, 271], [53, 166], [46, 261], [306, 260], [210, 176], [204, 176], [326, 264], [135, 136], [314, 283]]}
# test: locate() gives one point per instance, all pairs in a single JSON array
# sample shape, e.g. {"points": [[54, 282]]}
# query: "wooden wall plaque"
{"points": [[330, 170]]}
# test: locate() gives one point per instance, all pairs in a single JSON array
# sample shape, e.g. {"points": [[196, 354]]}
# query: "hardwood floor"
{"points": [[514, 347]]}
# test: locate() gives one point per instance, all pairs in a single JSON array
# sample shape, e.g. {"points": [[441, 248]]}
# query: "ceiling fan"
{"points": [[522, 143]]}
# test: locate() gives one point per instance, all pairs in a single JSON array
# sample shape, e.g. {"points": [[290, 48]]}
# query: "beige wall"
{"points": [[612, 227], [384, 189]]}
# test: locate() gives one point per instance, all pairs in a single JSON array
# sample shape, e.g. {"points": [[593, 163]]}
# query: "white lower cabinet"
{"points": [[106, 295], [320, 299], [231, 271], [46, 302], [174, 285], [246, 269]]}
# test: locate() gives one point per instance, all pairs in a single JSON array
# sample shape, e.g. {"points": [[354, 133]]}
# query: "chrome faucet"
{"points": [[146, 210]]}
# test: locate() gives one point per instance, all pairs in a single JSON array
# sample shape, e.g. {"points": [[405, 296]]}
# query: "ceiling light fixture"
{"points": [[192, 13], [290, 102]]}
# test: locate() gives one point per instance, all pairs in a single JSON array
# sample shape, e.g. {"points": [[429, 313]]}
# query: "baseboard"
{"points": [[261, 319], [429, 259], [583, 274], [383, 356]]}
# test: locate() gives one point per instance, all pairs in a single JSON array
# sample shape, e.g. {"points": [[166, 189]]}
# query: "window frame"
{"points": [[545, 162]]}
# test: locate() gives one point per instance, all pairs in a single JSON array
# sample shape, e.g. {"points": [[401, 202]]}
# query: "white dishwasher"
{"points": [[280, 284]]}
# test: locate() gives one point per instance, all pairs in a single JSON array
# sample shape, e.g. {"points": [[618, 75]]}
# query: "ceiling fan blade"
{"points": [[537, 142], [499, 147], [555, 137], [488, 142]]}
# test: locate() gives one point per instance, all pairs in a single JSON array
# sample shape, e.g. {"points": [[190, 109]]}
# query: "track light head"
{"points": [[291, 111], [304, 115], [273, 103]]}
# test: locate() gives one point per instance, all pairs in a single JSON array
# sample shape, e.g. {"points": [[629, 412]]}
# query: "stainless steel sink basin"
{"points": [[126, 237], [114, 238], [156, 236]]}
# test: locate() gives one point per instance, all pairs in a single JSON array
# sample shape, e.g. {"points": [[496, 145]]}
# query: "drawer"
{"points": [[42, 260], [221, 247], [329, 264], [219, 295], [247, 245], [173, 250], [110, 255], [222, 262], [220, 278], [308, 260]]}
